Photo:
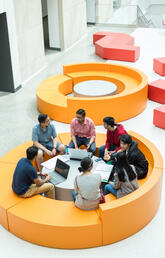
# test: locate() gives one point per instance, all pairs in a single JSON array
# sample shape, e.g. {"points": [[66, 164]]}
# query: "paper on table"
{"points": [[104, 170], [50, 164]]}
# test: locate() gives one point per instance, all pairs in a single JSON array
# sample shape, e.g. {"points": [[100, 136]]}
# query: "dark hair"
{"points": [[31, 152], [81, 112], [121, 165], [42, 118], [86, 163], [126, 138], [109, 121]]}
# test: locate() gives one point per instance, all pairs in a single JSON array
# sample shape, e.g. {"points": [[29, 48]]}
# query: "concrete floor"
{"points": [[18, 114]]}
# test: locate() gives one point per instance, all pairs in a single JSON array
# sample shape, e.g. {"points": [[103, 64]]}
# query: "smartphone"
{"points": [[99, 159]]}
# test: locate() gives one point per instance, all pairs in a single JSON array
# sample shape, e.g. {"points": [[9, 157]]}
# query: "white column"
{"points": [[73, 16], [53, 24], [91, 11], [9, 9]]}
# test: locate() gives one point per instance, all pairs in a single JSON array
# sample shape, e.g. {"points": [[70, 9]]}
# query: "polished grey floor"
{"points": [[18, 113]]}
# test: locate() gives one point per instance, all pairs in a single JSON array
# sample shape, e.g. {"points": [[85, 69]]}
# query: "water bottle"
{"points": [[66, 150]]}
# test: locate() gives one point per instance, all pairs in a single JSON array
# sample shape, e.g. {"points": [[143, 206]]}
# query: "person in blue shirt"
{"points": [[44, 137], [27, 182]]}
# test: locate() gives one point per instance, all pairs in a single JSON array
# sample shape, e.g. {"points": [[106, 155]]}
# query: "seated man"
{"points": [[44, 137], [134, 155], [26, 181], [114, 131], [83, 132]]}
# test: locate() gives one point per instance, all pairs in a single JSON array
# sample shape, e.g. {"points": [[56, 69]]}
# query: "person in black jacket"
{"points": [[134, 155]]}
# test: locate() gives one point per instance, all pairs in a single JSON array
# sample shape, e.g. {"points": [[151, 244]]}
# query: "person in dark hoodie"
{"points": [[114, 131], [134, 155]]}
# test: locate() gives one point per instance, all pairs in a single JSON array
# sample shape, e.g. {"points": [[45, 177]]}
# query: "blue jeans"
{"points": [[83, 141], [74, 195], [102, 149], [110, 189]]}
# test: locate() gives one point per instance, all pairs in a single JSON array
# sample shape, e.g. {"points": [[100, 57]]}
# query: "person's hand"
{"points": [[54, 152], [111, 152], [107, 157], [87, 146], [106, 152], [44, 174], [48, 178], [76, 147], [49, 152]]}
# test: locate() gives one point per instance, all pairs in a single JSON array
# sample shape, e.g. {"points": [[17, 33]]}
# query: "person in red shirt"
{"points": [[114, 131]]}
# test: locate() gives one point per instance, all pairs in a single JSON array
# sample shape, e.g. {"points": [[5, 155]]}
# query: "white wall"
{"points": [[72, 21], [104, 10], [2, 9], [29, 30]]}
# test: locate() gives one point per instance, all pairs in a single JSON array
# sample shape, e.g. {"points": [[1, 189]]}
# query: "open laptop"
{"points": [[60, 172], [78, 154]]}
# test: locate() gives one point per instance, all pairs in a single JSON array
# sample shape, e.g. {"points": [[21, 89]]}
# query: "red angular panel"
{"points": [[116, 46]]}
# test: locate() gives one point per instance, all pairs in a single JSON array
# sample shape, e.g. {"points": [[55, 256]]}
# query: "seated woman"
{"points": [[87, 187], [125, 178]]}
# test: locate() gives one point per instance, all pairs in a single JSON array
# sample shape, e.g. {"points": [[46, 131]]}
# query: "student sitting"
{"points": [[125, 178], [134, 155], [114, 131], [26, 181], [87, 187], [82, 132]]}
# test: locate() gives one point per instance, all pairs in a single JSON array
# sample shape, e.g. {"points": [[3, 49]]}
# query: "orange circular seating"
{"points": [[131, 98], [60, 224]]}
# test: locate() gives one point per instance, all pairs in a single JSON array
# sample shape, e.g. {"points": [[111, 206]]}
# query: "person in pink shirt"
{"points": [[82, 132]]}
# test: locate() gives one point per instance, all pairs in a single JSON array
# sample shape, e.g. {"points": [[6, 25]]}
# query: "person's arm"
{"points": [[72, 129], [74, 141], [40, 146], [38, 181], [75, 186], [54, 136], [107, 144], [92, 134]]}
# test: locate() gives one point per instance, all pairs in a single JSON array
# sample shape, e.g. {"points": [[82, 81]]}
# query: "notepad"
{"points": [[104, 170]]}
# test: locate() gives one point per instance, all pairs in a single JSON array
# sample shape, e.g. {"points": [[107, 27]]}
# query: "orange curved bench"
{"points": [[60, 224], [132, 88]]}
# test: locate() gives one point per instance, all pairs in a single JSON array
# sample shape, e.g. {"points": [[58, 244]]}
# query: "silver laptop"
{"points": [[78, 154], [60, 172]]}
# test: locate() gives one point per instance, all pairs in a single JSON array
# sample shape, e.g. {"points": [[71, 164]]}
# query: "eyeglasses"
{"points": [[78, 117]]}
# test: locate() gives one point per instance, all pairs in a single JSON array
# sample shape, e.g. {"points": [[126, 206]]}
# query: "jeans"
{"points": [[74, 195], [110, 189], [102, 149], [83, 141]]}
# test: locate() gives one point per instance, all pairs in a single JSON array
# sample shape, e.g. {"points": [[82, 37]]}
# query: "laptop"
{"points": [[78, 154], [60, 172]]}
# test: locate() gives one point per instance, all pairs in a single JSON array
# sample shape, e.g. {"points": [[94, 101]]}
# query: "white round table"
{"points": [[94, 88], [63, 191]]}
